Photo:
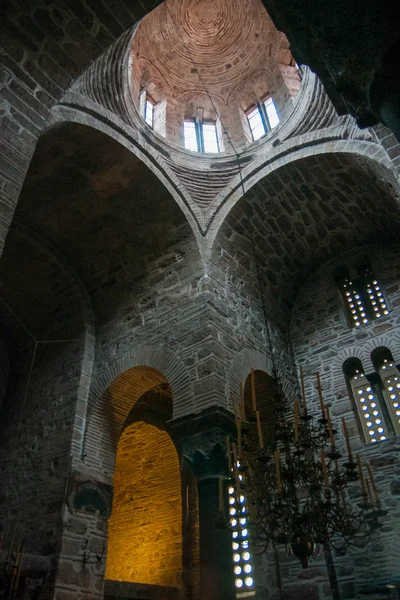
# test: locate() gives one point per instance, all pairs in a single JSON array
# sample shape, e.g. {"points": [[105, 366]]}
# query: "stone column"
{"points": [[203, 442]]}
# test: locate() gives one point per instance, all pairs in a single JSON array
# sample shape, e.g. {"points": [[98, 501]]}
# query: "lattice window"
{"points": [[367, 403], [355, 302], [241, 554], [390, 377], [377, 299], [362, 294]]}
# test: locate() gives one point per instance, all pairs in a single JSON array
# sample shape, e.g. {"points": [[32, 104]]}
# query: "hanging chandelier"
{"points": [[294, 484]]}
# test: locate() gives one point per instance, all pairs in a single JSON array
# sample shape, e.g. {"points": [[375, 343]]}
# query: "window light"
{"points": [[355, 303], [256, 124], [390, 377], [149, 112], [262, 118], [242, 566], [190, 135], [201, 136], [210, 137], [370, 414], [363, 295], [272, 113], [377, 299]]}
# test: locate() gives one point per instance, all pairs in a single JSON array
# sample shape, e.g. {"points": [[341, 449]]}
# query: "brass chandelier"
{"points": [[294, 484]]}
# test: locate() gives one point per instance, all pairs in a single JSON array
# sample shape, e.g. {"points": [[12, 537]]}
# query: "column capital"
{"points": [[204, 434]]}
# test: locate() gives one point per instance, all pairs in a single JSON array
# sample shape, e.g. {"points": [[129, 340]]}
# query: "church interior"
{"points": [[199, 300]]}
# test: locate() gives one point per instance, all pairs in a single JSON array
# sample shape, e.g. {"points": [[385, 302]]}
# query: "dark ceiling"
{"points": [[104, 210]]}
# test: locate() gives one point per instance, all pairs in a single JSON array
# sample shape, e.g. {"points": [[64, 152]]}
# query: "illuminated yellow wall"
{"points": [[145, 527]]}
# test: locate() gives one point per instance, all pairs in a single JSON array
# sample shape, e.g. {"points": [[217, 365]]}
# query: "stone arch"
{"points": [[240, 369], [290, 152], [160, 365], [390, 339], [97, 117], [54, 255], [41, 243], [241, 366]]}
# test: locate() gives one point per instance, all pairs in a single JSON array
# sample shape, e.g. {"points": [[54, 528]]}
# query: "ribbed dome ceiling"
{"points": [[227, 40]]}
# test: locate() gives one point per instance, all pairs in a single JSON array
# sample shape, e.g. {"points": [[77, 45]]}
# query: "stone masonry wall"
{"points": [[41, 419], [322, 342], [44, 48]]}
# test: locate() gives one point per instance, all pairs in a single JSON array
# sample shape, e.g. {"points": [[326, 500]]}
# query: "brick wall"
{"points": [[245, 58]]}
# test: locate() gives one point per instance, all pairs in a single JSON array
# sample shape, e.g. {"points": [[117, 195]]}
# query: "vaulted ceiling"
{"points": [[301, 215], [105, 211]]}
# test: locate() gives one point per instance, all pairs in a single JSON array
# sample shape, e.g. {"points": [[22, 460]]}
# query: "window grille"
{"points": [[390, 378], [362, 294], [376, 396], [241, 554], [371, 417]]}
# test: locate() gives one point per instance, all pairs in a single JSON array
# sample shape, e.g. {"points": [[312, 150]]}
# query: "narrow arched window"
{"points": [[367, 401], [149, 111], [372, 290], [361, 293], [153, 110], [352, 297], [262, 117], [389, 374], [202, 134]]}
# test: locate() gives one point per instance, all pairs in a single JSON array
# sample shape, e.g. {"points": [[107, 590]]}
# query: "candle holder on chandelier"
{"points": [[295, 485]]}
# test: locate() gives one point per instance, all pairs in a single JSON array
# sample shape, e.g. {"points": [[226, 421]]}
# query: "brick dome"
{"points": [[230, 48]]}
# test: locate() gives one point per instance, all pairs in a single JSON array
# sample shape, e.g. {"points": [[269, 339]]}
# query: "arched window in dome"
{"points": [[262, 117], [368, 402], [202, 134], [149, 111], [361, 293], [153, 109]]}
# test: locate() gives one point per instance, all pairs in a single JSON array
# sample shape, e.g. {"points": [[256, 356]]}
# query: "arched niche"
{"points": [[381, 355], [145, 539], [145, 527]]}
